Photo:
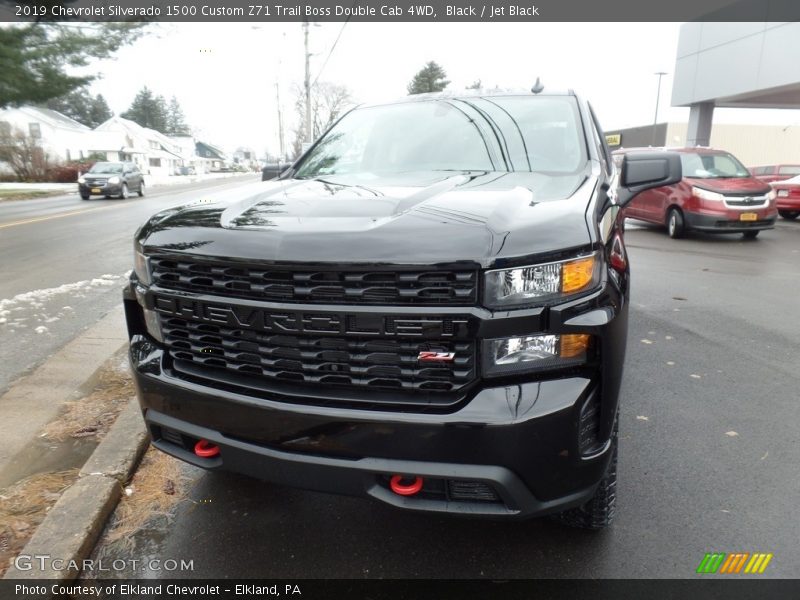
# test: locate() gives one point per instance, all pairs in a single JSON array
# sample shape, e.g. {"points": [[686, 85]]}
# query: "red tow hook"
{"points": [[205, 449], [398, 487]]}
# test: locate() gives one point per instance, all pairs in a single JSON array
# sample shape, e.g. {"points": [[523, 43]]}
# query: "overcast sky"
{"points": [[224, 75]]}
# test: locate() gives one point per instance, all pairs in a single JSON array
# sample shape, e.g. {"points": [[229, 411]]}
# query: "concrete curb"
{"points": [[36, 399], [72, 526]]}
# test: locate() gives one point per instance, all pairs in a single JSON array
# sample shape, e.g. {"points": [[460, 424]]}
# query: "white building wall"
{"points": [[752, 144]]}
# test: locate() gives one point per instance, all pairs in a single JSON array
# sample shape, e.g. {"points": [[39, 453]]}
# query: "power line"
{"points": [[346, 21]]}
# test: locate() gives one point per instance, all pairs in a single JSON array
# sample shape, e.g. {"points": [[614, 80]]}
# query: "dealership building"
{"points": [[731, 65]]}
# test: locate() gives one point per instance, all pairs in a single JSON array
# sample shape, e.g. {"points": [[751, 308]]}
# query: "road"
{"points": [[64, 262], [708, 457]]}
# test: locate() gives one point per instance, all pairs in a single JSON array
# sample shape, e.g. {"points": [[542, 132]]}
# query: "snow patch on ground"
{"points": [[36, 299]]}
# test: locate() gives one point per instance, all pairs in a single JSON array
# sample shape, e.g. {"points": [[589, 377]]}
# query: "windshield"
{"points": [[789, 170], [106, 167], [514, 133], [711, 166]]}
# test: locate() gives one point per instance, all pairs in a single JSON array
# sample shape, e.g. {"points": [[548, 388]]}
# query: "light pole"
{"points": [[658, 96], [309, 136]]}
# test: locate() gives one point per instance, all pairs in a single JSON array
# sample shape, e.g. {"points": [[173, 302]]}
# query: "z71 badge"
{"points": [[428, 356]]}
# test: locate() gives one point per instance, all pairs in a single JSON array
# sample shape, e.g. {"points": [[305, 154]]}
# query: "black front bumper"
{"points": [[521, 439], [103, 190]]}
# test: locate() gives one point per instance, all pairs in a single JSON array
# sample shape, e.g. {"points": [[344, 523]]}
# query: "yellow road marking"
{"points": [[58, 216]]}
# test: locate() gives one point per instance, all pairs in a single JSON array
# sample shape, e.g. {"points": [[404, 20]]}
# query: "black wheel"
{"points": [[675, 224], [750, 235], [599, 512], [789, 215], [123, 192], [141, 189], [85, 196]]}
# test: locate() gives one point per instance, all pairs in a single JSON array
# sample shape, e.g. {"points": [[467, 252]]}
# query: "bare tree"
{"points": [[23, 154], [329, 101]]}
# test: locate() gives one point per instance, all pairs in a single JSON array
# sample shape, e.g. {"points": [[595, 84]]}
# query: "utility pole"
{"points": [[309, 133], [280, 121], [655, 118]]}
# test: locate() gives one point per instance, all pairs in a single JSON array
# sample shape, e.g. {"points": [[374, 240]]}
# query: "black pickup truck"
{"points": [[429, 308]]}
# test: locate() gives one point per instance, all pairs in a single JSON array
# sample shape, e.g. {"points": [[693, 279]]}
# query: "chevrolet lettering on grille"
{"points": [[268, 320]]}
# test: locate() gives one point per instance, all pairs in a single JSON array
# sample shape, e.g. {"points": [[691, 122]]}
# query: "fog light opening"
{"points": [[205, 449], [399, 485]]}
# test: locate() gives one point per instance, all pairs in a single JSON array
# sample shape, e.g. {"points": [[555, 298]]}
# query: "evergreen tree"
{"points": [[35, 57], [75, 105], [99, 112], [176, 120], [148, 110], [431, 78], [81, 106]]}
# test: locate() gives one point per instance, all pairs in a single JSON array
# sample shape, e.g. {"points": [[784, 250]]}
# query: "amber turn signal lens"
{"points": [[574, 344], [577, 274]]}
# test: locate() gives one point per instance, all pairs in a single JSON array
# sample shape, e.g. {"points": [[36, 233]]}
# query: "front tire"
{"points": [[789, 215], [85, 196], [141, 189], [123, 193], [600, 510], [676, 227], [750, 235]]}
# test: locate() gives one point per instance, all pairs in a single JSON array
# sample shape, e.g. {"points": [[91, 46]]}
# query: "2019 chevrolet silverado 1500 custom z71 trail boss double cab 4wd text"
{"points": [[429, 308]]}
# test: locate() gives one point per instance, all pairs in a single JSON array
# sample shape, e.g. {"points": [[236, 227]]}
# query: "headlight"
{"points": [[141, 266], [707, 195], [541, 283], [114, 179], [534, 352], [81, 179], [780, 194]]}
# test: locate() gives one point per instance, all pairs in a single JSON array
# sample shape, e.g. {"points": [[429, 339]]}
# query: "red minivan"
{"points": [[717, 194]]}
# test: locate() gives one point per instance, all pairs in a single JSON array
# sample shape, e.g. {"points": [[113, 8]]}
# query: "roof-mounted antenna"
{"points": [[537, 87]]}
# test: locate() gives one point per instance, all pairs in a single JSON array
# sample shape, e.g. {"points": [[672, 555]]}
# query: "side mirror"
{"points": [[646, 170]]}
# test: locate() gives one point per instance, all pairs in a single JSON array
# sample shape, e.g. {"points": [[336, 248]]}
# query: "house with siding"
{"points": [[212, 157], [151, 150], [62, 138]]}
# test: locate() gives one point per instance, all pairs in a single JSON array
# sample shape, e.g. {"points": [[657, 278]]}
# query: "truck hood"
{"points": [[411, 218]]}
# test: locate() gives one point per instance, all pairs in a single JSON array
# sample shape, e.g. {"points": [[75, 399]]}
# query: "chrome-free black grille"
{"points": [[395, 287], [362, 362]]}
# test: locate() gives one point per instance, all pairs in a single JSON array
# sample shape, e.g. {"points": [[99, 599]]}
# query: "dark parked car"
{"points": [[788, 197], [717, 195], [111, 179], [429, 309], [272, 170]]}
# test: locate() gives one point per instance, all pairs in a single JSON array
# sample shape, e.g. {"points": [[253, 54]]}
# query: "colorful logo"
{"points": [[428, 356], [734, 563]]}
